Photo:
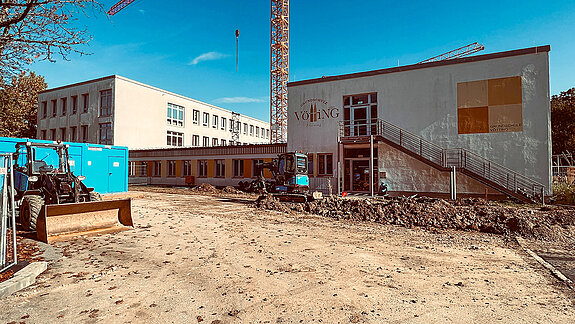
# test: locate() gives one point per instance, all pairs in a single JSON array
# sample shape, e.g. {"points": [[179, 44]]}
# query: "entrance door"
{"points": [[360, 176], [359, 120]]}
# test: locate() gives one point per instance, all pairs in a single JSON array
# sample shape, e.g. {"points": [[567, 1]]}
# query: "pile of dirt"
{"points": [[547, 223], [205, 188], [232, 190]]}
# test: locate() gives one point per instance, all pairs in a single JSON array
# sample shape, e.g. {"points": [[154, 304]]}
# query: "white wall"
{"points": [[424, 101]]}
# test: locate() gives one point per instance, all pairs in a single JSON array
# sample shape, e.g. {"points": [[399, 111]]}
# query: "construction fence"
{"points": [[564, 174], [8, 251]]}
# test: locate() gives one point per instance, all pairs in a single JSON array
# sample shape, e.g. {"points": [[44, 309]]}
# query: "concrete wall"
{"points": [[90, 118], [424, 101]]}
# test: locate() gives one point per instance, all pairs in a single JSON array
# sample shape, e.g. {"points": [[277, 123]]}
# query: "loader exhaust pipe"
{"points": [[65, 221]]}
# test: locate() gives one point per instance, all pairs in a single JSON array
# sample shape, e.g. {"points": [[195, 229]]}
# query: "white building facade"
{"points": [[406, 127], [115, 110]]}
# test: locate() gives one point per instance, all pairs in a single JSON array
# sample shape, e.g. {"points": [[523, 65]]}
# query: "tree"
{"points": [[40, 30], [19, 105], [563, 121]]}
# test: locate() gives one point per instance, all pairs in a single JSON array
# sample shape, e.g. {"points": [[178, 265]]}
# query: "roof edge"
{"points": [[113, 76], [517, 52]]}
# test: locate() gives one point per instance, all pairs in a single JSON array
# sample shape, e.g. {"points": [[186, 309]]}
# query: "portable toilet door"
{"points": [[116, 174]]}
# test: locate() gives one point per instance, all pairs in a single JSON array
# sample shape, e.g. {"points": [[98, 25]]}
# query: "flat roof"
{"points": [[476, 58], [209, 150]]}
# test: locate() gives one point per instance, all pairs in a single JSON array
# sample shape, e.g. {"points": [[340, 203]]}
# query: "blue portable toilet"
{"points": [[105, 167]]}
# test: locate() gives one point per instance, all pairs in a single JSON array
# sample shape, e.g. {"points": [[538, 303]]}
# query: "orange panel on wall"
{"points": [[247, 168], [504, 91], [473, 120]]}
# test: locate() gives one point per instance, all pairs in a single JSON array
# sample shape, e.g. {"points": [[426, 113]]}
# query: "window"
{"points": [[310, 164], [64, 102], [85, 102], [195, 140], [175, 139], [187, 168], [106, 134], [171, 169], [214, 142], [245, 129], [63, 134], [144, 169], [106, 102], [223, 123], [53, 134], [43, 135], [74, 104], [254, 167], [206, 119], [202, 168], [196, 117], [44, 109], [54, 107], [325, 164], [206, 141], [84, 134], [223, 142], [157, 168], [220, 168], [215, 121], [232, 123], [257, 131], [267, 133], [251, 130], [238, 168], [72, 134], [175, 115]]}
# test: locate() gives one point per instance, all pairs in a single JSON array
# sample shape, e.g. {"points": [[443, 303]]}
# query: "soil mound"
{"points": [[547, 223]]}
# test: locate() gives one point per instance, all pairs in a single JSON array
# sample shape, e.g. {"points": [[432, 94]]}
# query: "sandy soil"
{"points": [[194, 258]]}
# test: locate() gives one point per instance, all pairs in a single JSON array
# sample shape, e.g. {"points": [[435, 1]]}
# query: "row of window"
{"points": [[177, 139], [105, 105], [325, 167], [175, 116], [202, 165], [71, 134]]}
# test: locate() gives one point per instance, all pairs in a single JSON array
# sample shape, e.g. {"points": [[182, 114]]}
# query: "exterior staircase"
{"points": [[485, 171]]}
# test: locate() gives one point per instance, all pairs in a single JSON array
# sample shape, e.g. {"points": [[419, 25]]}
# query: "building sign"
{"points": [[490, 106], [313, 111]]}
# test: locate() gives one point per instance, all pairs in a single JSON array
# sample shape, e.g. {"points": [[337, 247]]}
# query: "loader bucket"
{"points": [[65, 221]]}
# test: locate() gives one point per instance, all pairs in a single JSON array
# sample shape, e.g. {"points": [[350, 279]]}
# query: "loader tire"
{"points": [[94, 196], [30, 210]]}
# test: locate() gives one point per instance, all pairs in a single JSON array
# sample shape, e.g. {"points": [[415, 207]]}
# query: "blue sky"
{"points": [[188, 47]]}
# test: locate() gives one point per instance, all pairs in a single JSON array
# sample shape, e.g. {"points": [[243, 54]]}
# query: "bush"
{"points": [[564, 193]]}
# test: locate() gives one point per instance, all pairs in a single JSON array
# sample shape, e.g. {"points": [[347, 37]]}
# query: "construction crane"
{"points": [[459, 52], [279, 69]]}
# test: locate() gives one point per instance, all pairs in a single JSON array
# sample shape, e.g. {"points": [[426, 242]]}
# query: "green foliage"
{"points": [[19, 105], [564, 193], [563, 121]]}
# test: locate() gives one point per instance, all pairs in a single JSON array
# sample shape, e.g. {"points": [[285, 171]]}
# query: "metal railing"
{"points": [[7, 214], [327, 185], [497, 176]]}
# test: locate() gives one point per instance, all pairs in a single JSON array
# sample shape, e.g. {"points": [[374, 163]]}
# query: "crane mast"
{"points": [[279, 70]]}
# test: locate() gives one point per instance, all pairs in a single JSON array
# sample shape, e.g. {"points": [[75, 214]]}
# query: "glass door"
{"points": [[360, 118]]}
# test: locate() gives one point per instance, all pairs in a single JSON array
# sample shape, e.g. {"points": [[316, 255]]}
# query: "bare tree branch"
{"points": [[32, 30]]}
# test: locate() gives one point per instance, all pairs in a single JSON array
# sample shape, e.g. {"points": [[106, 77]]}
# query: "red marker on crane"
{"points": [[237, 48]]}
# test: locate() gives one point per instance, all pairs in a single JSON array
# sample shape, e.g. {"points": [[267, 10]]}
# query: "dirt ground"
{"points": [[200, 258]]}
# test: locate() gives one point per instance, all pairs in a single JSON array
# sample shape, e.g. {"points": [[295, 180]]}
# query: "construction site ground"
{"points": [[214, 258]]}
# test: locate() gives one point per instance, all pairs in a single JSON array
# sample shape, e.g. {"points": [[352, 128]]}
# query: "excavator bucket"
{"points": [[65, 221]]}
